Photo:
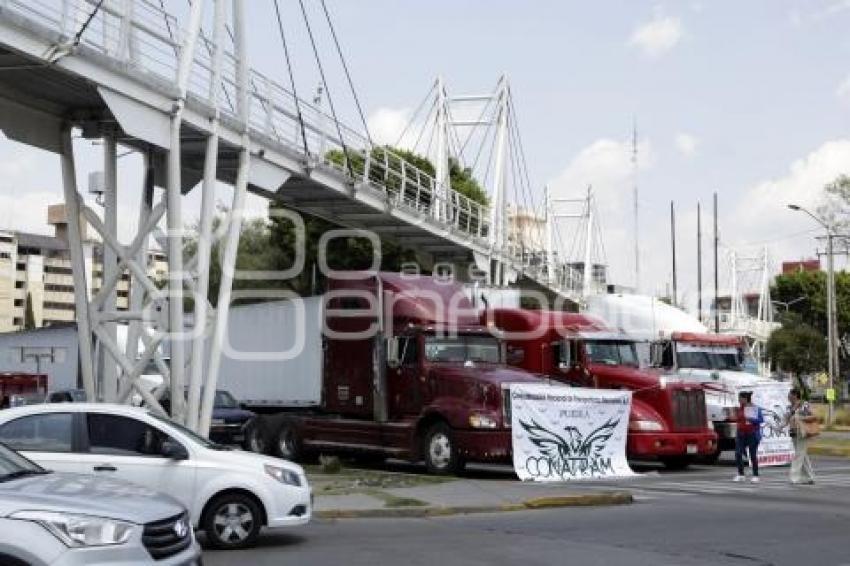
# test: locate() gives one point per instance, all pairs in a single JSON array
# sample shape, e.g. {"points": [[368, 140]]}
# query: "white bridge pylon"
{"points": [[136, 76]]}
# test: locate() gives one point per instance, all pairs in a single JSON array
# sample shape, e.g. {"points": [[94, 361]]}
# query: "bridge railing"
{"points": [[147, 39]]}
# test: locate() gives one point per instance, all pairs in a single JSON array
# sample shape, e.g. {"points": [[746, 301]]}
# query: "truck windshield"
{"points": [[462, 349], [612, 352], [707, 359]]}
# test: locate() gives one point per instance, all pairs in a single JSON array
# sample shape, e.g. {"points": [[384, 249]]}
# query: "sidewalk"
{"points": [[374, 493]]}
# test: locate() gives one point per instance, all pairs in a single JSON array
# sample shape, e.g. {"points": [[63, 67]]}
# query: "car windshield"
{"points": [[463, 349], [13, 465], [191, 435], [224, 400], [612, 352]]}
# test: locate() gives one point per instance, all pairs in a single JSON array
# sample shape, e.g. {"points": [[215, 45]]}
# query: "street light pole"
{"points": [[831, 318]]}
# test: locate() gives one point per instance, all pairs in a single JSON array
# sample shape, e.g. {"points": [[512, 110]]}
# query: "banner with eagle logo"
{"points": [[564, 433], [775, 448]]}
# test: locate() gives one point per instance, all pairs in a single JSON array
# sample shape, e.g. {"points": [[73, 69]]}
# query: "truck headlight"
{"points": [[480, 420], [283, 475], [645, 425], [80, 530]]}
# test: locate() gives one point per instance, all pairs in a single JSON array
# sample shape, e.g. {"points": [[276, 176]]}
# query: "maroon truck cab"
{"points": [[424, 382], [668, 419]]}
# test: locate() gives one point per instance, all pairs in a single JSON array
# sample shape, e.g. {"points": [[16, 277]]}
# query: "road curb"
{"points": [[578, 500], [835, 451]]}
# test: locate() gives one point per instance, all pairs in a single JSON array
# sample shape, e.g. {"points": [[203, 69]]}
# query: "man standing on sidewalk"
{"points": [[749, 420]]}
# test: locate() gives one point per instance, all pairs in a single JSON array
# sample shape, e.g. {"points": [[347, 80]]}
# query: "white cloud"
{"points": [[686, 144], [386, 125], [832, 9], [843, 90], [762, 214], [657, 36], [606, 164]]}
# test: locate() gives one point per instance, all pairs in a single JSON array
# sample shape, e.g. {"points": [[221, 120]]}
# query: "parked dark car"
{"points": [[67, 396], [230, 422]]}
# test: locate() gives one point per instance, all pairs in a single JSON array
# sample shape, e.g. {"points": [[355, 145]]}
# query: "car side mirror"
{"points": [[173, 450]]}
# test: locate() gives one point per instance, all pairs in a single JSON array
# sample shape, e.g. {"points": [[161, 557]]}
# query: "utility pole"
{"points": [[831, 310], [699, 262], [673, 242], [716, 273], [832, 317]]}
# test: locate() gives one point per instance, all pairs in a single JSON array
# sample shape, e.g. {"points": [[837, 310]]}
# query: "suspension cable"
{"points": [[79, 35], [292, 80], [347, 74], [327, 87], [415, 114]]}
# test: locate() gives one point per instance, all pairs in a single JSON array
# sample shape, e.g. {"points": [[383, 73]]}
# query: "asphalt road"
{"points": [[695, 517]]}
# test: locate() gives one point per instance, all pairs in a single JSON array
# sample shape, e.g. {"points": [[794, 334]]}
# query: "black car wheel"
{"points": [[232, 521]]}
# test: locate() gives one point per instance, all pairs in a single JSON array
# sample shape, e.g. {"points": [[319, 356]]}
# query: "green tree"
{"points": [[270, 245], [797, 348], [386, 165]]}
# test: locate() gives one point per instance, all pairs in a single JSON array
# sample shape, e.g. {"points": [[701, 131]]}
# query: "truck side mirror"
{"points": [[655, 355], [393, 360], [566, 356]]}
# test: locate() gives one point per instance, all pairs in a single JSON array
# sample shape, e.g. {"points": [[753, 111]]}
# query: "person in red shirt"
{"points": [[749, 419]]}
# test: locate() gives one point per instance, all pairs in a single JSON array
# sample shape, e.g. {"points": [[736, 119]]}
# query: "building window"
{"points": [[19, 302], [59, 306], [17, 322], [19, 284], [5, 255], [21, 266], [58, 270]]}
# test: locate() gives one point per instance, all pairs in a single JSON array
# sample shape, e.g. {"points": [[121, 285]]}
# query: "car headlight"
{"points": [[80, 530], [645, 425], [283, 475], [479, 420]]}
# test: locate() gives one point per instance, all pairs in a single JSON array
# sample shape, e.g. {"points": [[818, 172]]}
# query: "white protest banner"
{"points": [[562, 433], [776, 447]]}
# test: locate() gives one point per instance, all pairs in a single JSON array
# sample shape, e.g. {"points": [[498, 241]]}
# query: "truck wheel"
{"points": [[255, 439], [441, 455], [674, 463], [288, 443], [231, 521]]}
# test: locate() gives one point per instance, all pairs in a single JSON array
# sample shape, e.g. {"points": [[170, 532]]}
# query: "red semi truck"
{"points": [[668, 420], [19, 388], [425, 381]]}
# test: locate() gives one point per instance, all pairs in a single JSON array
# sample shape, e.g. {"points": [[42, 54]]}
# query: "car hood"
{"points": [[232, 415], [86, 495]]}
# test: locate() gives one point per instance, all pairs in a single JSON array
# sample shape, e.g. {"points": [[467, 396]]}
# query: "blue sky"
{"points": [[744, 98]]}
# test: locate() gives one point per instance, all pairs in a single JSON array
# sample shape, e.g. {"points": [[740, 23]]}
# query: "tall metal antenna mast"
{"points": [[636, 206]]}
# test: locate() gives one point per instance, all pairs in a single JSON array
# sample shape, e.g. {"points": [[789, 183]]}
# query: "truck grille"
{"points": [[689, 409], [162, 538], [506, 405]]}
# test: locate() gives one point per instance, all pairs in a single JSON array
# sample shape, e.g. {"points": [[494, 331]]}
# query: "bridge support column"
{"points": [[78, 263], [202, 310], [109, 383], [231, 242]]}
